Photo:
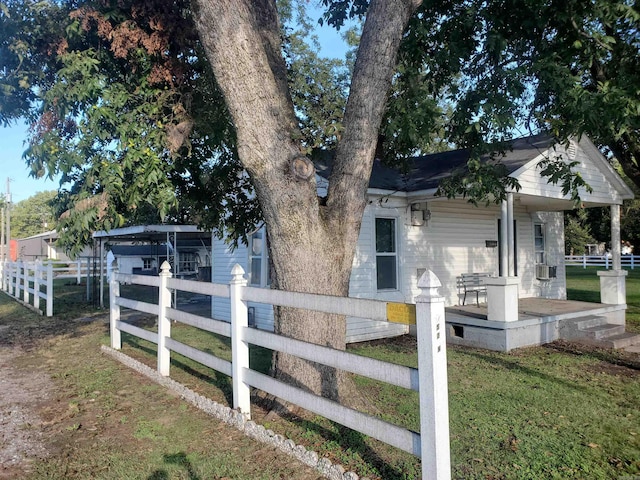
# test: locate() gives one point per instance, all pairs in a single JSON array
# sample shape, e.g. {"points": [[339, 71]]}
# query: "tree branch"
{"points": [[383, 29]]}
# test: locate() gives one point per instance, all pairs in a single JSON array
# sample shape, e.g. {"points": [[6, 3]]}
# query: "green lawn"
{"points": [[539, 413], [584, 285]]}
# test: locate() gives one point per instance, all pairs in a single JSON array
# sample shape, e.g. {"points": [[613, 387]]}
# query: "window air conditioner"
{"points": [[545, 272]]}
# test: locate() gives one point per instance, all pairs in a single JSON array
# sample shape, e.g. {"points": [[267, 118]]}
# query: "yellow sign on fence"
{"points": [[401, 313]]}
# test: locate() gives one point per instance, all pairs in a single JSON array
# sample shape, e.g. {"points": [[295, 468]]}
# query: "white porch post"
{"points": [[502, 299], [502, 291], [510, 236], [504, 239], [613, 288]]}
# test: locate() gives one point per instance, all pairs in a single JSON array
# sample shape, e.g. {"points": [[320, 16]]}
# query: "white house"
{"points": [[407, 229]]}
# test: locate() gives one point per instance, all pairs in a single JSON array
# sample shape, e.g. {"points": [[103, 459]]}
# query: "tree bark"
{"points": [[311, 244]]}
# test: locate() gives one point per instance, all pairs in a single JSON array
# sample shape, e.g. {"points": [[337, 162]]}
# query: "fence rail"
{"points": [[584, 261], [29, 283], [430, 379]]}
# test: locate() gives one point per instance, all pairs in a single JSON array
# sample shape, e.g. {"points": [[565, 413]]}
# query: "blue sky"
{"points": [[12, 139]]}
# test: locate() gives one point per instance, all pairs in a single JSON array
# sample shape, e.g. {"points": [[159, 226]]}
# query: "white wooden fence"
{"points": [[584, 261], [430, 379], [29, 282]]}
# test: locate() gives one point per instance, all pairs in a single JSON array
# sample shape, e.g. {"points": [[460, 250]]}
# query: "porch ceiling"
{"points": [[548, 204]]}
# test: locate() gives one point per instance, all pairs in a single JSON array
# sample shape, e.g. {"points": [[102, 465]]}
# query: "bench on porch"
{"points": [[472, 282]]}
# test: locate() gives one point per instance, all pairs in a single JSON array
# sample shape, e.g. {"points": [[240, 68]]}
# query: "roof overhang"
{"points": [[150, 233]]}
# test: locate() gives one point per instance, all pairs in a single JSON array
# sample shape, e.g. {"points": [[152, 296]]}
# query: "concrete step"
{"points": [[588, 321], [603, 332], [573, 328], [622, 340]]}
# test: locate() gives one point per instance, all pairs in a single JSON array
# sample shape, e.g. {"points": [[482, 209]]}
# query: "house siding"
{"points": [[224, 258], [603, 192]]}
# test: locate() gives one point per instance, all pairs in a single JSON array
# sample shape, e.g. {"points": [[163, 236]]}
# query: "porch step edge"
{"points": [[603, 332], [622, 340], [587, 321]]}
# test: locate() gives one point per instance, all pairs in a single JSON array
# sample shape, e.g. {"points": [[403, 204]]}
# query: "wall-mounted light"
{"points": [[420, 215]]}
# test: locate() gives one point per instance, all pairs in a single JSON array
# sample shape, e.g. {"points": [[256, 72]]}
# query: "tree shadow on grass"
{"points": [[518, 368], [179, 459], [214, 378]]}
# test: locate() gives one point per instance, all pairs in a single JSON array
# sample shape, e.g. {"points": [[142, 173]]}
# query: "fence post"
{"points": [[78, 277], [19, 278], [50, 289], [632, 260], [584, 260], [25, 292], [606, 261], [114, 309], [36, 284], [239, 348], [164, 324], [432, 371]]}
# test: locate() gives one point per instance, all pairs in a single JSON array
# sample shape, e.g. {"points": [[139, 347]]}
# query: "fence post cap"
{"points": [[429, 280], [165, 268], [237, 274]]}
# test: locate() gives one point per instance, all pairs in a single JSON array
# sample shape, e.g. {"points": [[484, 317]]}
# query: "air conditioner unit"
{"points": [[545, 272]]}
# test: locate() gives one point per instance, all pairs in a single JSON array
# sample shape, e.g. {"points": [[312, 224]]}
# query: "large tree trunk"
{"points": [[312, 242]]}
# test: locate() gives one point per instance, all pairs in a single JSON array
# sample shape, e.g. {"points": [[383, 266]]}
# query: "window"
{"points": [[539, 242], [147, 263], [386, 254], [188, 262], [258, 259]]}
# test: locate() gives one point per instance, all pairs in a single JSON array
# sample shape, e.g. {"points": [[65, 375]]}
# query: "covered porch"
{"points": [[539, 321]]}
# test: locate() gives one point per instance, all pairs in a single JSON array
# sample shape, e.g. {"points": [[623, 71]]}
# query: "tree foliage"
{"points": [[33, 215], [123, 103]]}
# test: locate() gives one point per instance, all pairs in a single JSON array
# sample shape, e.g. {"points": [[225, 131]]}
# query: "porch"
{"points": [[539, 321]]}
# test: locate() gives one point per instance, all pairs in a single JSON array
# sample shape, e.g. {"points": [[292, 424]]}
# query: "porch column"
{"points": [[502, 299], [504, 240], [613, 289], [510, 236]]}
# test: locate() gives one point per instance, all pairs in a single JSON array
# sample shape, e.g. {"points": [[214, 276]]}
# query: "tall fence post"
{"points": [[432, 371], [19, 269], [164, 324], [25, 292], [114, 309], [239, 348], [36, 284], [10, 278], [78, 267], [50, 289]]}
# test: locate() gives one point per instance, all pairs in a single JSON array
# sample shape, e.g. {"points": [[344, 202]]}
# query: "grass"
{"points": [[584, 284], [103, 421], [556, 411]]}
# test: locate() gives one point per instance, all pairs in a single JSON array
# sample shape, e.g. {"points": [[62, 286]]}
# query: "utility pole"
{"points": [[7, 223], [2, 245]]}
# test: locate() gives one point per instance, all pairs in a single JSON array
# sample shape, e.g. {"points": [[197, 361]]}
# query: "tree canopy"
{"points": [[123, 103], [33, 215]]}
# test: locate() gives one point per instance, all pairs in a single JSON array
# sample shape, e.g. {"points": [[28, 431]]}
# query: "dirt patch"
{"points": [[22, 394]]}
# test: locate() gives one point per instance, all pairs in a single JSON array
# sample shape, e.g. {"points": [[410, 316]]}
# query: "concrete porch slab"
{"points": [[538, 323]]}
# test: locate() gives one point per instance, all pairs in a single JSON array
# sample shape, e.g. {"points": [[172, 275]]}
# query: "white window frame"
{"points": [[540, 254], [147, 261], [264, 280], [395, 254]]}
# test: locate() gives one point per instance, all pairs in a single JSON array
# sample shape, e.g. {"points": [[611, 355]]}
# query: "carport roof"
{"points": [[152, 233]]}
